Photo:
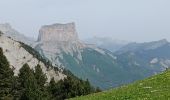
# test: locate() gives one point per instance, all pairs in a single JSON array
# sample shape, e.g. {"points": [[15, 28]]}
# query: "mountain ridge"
{"points": [[106, 43], [17, 56], [8, 30], [142, 46]]}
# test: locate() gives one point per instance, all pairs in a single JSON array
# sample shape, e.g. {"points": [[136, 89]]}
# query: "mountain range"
{"points": [[60, 44]]}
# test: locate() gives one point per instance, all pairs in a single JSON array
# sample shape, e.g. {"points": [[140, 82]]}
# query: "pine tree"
{"points": [[6, 78], [52, 85], [88, 88], [41, 81], [40, 76], [17, 89], [29, 84], [52, 88]]}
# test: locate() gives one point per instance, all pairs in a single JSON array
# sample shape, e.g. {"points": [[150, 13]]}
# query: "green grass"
{"points": [[154, 88]]}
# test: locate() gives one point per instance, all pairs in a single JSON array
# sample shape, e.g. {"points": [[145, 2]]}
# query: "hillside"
{"points": [[18, 54], [154, 88], [26, 75]]}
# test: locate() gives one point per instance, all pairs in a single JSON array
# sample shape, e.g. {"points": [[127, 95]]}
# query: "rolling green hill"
{"points": [[154, 88]]}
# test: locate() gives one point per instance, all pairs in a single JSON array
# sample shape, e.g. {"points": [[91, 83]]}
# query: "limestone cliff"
{"points": [[58, 32], [18, 56], [57, 38]]}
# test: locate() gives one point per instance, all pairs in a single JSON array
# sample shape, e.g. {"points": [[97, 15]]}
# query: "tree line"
{"points": [[32, 84]]}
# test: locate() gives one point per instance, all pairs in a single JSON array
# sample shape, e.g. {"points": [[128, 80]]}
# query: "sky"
{"points": [[131, 20]]}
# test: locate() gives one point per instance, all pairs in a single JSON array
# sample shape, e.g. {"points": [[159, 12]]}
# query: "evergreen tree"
{"points": [[29, 84], [40, 76], [52, 88], [6, 78], [41, 81], [88, 88], [17, 89], [52, 85], [69, 87]]}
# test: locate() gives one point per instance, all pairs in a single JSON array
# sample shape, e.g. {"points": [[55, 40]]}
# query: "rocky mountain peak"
{"points": [[164, 41], [9, 31], [156, 44], [58, 32]]}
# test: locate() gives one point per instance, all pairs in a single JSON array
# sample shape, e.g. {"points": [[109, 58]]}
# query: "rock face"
{"points": [[58, 32], [55, 39], [18, 56]]}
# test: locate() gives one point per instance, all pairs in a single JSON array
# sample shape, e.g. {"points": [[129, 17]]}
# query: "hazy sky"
{"points": [[134, 20]]}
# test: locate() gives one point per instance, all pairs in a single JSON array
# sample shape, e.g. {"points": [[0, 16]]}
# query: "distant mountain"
{"points": [[7, 29], [132, 47], [153, 88], [152, 55], [106, 43], [60, 44]]}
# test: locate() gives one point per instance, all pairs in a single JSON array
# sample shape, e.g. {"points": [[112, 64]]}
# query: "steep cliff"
{"points": [[58, 33]]}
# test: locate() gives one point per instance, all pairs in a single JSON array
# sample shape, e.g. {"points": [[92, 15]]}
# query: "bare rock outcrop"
{"points": [[56, 39], [58, 32], [18, 56]]}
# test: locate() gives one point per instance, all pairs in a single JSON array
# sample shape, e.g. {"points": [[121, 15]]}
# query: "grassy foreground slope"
{"points": [[154, 88]]}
